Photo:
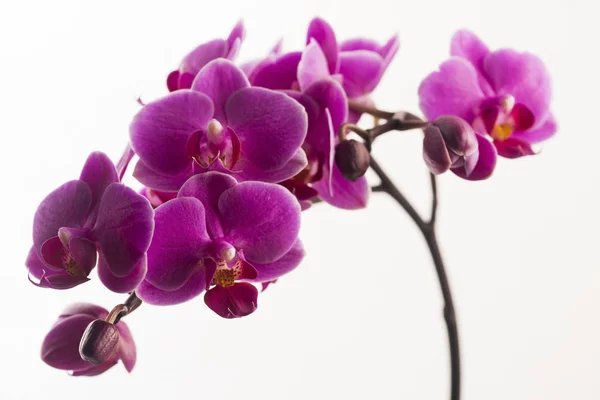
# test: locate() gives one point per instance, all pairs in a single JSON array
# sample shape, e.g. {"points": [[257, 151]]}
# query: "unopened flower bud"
{"points": [[450, 142], [352, 158], [99, 341]]}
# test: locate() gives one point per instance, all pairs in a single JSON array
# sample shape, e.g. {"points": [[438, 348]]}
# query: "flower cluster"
{"points": [[231, 156]]}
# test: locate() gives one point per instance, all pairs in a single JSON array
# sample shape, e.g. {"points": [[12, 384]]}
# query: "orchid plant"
{"points": [[234, 153]]}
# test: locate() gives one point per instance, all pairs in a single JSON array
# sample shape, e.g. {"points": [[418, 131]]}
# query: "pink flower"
{"points": [[504, 95]]}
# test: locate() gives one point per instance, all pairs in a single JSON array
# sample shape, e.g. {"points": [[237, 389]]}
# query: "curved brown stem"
{"points": [[428, 231]]}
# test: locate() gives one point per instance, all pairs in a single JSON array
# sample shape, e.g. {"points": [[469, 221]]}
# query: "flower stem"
{"points": [[121, 310], [427, 228]]}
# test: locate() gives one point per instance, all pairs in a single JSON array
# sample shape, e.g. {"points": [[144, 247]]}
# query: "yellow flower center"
{"points": [[502, 131]]}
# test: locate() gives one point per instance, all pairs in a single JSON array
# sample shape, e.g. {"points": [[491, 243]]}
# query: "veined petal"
{"points": [[98, 172], [467, 45], [159, 181], [202, 55], [66, 206], [362, 70], [328, 94], [219, 79], [262, 219], [122, 284], [269, 272], [250, 172], [270, 125], [195, 285], [160, 130], [60, 348], [346, 194], [453, 90], [208, 188], [176, 251], [124, 228], [321, 32], [312, 66], [279, 73], [523, 76]]}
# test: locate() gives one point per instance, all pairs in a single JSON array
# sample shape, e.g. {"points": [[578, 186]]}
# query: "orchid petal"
{"points": [[98, 172], [524, 76], [122, 284], [321, 32], [65, 206], [362, 70], [277, 74], [219, 79], [179, 237], [160, 130], [312, 66], [270, 125], [261, 219], [280, 267], [237, 301], [208, 188], [159, 181], [453, 90], [124, 228], [485, 163], [347, 194]]}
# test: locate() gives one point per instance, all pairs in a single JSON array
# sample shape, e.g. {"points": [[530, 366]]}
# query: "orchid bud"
{"points": [[99, 342], [352, 158], [82, 343], [450, 142]]}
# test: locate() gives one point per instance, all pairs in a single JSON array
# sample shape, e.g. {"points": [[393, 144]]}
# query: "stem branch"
{"points": [[428, 231]]}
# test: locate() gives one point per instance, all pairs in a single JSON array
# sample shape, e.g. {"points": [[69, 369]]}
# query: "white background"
{"points": [[361, 318]]}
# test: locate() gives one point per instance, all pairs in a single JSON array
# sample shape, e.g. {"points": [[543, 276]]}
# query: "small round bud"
{"points": [[450, 142], [352, 158], [99, 342]]}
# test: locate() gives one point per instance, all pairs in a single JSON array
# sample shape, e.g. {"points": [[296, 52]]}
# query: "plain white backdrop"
{"points": [[361, 318]]}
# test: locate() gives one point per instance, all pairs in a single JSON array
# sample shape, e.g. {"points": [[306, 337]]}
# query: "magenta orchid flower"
{"points": [[192, 63], [221, 124], [359, 64], [327, 107], [217, 236], [60, 348], [504, 95], [94, 218]]}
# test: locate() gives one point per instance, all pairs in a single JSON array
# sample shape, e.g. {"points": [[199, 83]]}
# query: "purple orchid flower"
{"points": [[358, 64], [92, 218], [504, 95], [192, 63], [221, 124], [218, 235], [327, 107], [60, 348]]}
